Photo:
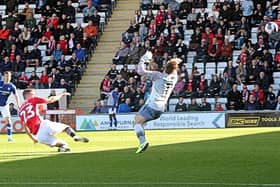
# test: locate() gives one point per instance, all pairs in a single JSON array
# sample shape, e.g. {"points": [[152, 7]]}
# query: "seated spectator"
{"points": [[30, 21], [104, 108], [121, 55], [204, 106], [191, 19], [231, 71], [201, 52], [225, 85], [91, 32], [259, 94], [127, 93], [95, 18], [277, 105], [218, 107], [63, 44], [44, 80], [35, 57], [80, 54], [181, 106], [64, 84], [202, 86], [125, 107], [34, 80], [139, 105], [70, 11], [234, 99], [245, 94], [97, 108], [88, 11], [53, 22], [12, 109], [6, 65], [252, 103], [179, 88], [270, 99], [263, 81], [57, 53], [226, 50], [18, 65], [214, 87], [22, 81], [193, 106], [195, 39]]}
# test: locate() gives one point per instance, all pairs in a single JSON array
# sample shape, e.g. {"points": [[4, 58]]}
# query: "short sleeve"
{"points": [[39, 100]]}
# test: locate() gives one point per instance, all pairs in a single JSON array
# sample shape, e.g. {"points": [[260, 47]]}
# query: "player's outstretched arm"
{"points": [[146, 59], [53, 99], [31, 136]]}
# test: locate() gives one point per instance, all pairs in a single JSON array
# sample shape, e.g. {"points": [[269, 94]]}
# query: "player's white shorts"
{"points": [[47, 131], [5, 111]]}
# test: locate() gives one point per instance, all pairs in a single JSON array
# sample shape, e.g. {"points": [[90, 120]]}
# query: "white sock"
{"points": [[139, 130]]}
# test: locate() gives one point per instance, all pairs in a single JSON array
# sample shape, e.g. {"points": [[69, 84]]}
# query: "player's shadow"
{"points": [[250, 159]]}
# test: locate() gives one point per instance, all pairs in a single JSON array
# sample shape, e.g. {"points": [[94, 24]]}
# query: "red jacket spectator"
{"points": [[53, 21], [243, 57], [159, 19], [63, 44], [44, 78], [277, 58], [208, 36], [259, 94], [4, 33]]}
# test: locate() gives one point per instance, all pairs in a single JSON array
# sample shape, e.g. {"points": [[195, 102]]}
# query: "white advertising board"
{"points": [[166, 121]]}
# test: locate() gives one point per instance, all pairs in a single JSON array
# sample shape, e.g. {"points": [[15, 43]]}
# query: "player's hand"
{"points": [[35, 141], [147, 57], [66, 94]]}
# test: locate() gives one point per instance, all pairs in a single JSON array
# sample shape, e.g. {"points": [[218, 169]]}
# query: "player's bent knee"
{"points": [[139, 119]]}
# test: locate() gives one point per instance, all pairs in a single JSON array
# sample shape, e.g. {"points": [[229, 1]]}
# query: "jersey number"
{"points": [[27, 113]]}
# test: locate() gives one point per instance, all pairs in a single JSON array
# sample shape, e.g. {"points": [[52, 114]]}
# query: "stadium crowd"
{"points": [[217, 33], [45, 45]]}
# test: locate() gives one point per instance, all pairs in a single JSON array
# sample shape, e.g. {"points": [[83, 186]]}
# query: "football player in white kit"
{"points": [[163, 84]]}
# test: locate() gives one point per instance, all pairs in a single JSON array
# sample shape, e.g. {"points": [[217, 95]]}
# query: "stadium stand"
{"points": [[48, 44], [229, 51]]}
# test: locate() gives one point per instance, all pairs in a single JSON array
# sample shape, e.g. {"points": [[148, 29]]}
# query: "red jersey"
{"points": [[29, 113]]}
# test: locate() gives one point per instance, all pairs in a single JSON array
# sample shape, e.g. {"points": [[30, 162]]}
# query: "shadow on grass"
{"points": [[253, 160]]}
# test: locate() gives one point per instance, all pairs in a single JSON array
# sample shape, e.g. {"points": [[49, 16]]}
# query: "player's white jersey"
{"points": [[163, 85]]}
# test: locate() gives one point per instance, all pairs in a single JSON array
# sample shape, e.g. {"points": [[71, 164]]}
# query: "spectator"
{"points": [[91, 32], [234, 99], [35, 57], [13, 111], [97, 108], [252, 103], [22, 81], [34, 80], [263, 81], [70, 11], [193, 106], [104, 107], [204, 106], [214, 87], [44, 80], [53, 106], [247, 9], [181, 106], [95, 18], [218, 107], [270, 99], [105, 87], [258, 94], [88, 11], [277, 107], [226, 84], [125, 107], [245, 94], [179, 87], [121, 55]]}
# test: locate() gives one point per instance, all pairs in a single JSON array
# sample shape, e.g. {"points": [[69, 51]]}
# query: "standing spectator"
{"points": [[247, 9], [53, 106], [181, 106]]}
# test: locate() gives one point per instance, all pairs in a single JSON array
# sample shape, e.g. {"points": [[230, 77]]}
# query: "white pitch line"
{"points": [[141, 183]]}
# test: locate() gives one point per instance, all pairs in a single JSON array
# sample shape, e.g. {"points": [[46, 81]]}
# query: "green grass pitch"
{"points": [[200, 158]]}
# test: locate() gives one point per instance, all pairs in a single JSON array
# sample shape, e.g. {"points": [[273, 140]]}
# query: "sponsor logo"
{"points": [[243, 121]]}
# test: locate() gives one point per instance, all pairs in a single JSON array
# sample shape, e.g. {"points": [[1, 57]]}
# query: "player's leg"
{"points": [[115, 121], [60, 127], [7, 120], [140, 133], [45, 136]]}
